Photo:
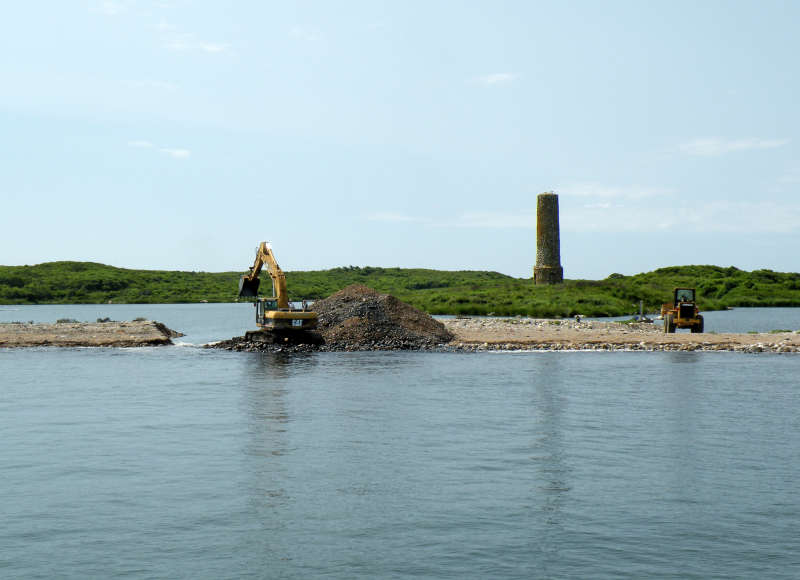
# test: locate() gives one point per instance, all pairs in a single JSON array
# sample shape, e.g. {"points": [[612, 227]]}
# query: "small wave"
{"points": [[184, 344]]}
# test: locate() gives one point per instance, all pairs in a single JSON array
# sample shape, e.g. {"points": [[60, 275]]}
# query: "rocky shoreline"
{"points": [[460, 335], [525, 334], [485, 334], [358, 318]]}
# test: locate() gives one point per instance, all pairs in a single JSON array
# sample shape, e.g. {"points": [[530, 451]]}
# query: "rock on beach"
{"points": [[473, 334]]}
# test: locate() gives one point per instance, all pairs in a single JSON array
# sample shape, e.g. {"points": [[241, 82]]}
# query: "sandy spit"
{"points": [[539, 334], [120, 334]]}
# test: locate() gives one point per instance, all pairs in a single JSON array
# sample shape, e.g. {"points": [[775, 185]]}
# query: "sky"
{"points": [[178, 134]]}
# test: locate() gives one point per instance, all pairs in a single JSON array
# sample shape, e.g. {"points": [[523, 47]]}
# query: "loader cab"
{"points": [[683, 312], [684, 295]]}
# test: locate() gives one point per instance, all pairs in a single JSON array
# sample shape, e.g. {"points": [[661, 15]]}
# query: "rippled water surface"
{"points": [[180, 462]]}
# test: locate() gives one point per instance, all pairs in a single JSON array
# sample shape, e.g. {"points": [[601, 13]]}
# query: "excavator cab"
{"points": [[263, 306]]}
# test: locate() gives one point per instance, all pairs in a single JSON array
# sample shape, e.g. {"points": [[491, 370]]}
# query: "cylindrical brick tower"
{"points": [[548, 268]]}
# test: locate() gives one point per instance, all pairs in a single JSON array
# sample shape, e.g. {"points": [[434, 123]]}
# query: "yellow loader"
{"points": [[682, 312]]}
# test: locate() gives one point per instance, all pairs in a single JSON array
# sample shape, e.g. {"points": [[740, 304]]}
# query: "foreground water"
{"points": [[181, 462]]}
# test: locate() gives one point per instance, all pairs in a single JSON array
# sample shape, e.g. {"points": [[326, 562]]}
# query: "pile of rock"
{"points": [[359, 318]]}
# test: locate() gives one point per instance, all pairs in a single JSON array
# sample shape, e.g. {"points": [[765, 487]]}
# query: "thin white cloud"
{"points": [[111, 7], [481, 219], [790, 177], [496, 78], [173, 152], [630, 215], [305, 34], [716, 146], [173, 38], [525, 218], [213, 46], [179, 42], [605, 192], [170, 35], [617, 217], [711, 217], [176, 153], [164, 26], [146, 84], [186, 42], [393, 217]]}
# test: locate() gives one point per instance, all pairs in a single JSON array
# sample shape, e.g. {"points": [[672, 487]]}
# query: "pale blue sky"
{"points": [[177, 134]]}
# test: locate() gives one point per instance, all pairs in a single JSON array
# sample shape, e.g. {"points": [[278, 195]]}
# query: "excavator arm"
{"points": [[248, 284]]}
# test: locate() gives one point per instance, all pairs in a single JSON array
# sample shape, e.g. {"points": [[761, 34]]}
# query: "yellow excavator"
{"points": [[277, 320]]}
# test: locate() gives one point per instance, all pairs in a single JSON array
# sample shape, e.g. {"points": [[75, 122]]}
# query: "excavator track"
{"points": [[283, 336]]}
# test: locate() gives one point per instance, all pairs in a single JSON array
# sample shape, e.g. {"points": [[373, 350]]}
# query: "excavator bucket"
{"points": [[248, 287]]}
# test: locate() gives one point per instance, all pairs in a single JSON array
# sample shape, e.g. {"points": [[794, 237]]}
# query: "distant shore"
{"points": [[472, 293]]}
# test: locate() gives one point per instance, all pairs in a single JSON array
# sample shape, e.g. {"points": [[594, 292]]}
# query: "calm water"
{"points": [[180, 462]]}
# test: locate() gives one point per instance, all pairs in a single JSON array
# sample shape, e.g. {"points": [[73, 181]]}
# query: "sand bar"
{"points": [[538, 334], [120, 334]]}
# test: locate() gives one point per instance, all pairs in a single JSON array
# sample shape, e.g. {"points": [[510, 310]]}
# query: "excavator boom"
{"points": [[249, 283]]}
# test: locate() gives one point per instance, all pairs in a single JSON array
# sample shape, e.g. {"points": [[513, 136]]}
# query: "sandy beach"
{"points": [[538, 334], [120, 334]]}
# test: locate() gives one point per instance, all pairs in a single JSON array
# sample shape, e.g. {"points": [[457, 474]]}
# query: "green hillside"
{"points": [[435, 291]]}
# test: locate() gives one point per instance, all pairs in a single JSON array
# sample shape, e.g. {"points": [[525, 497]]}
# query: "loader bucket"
{"points": [[248, 287]]}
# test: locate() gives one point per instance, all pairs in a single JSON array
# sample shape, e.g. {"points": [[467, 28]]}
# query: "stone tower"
{"points": [[548, 268]]}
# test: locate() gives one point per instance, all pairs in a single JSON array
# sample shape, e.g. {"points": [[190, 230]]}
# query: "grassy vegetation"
{"points": [[435, 291], [90, 283]]}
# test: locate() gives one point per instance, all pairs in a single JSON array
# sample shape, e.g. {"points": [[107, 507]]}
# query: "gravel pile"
{"points": [[307, 342], [359, 318]]}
